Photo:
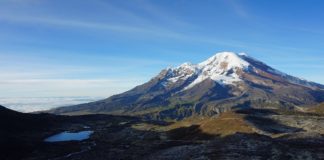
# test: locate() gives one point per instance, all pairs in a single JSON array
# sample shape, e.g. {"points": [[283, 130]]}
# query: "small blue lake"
{"points": [[69, 136]]}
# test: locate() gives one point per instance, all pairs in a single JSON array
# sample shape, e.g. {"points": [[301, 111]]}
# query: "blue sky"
{"points": [[101, 47]]}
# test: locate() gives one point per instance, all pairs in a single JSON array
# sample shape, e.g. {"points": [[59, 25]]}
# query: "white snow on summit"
{"points": [[232, 59], [181, 72], [221, 67]]}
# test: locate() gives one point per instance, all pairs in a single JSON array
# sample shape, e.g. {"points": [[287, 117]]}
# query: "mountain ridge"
{"points": [[223, 82]]}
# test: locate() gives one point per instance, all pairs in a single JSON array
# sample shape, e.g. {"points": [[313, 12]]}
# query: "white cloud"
{"points": [[31, 104], [65, 87], [143, 30], [100, 76], [238, 8]]}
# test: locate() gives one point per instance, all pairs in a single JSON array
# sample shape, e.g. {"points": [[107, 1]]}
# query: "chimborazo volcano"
{"points": [[225, 81]]}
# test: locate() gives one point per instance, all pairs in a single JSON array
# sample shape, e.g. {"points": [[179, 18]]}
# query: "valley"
{"points": [[247, 133]]}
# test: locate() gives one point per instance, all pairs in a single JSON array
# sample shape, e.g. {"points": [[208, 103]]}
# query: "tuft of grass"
{"points": [[225, 124], [319, 109]]}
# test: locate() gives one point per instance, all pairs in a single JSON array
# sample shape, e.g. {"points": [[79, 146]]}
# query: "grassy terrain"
{"points": [[319, 109], [227, 123]]}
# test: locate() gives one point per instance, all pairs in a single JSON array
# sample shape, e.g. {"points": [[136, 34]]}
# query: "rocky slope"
{"points": [[245, 133], [225, 81]]}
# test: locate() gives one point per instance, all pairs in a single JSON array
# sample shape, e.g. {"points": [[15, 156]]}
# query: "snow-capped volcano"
{"points": [[222, 67], [226, 68], [222, 82]]}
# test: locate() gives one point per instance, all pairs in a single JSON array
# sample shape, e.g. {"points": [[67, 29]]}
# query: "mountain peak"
{"points": [[224, 61], [223, 67], [227, 68]]}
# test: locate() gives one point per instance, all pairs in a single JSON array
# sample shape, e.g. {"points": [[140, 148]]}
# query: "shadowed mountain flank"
{"points": [[270, 126]]}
